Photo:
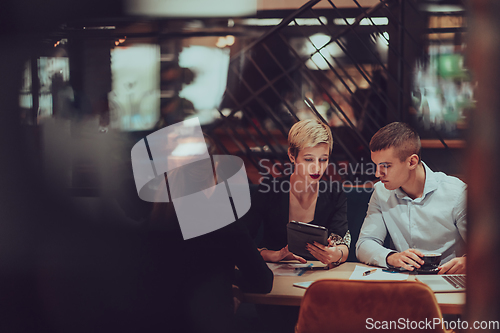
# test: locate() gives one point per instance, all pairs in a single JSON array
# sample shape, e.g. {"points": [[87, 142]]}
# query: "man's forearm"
{"points": [[372, 253]]}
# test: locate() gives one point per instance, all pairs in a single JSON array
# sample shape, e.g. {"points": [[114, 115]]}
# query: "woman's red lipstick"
{"points": [[315, 176]]}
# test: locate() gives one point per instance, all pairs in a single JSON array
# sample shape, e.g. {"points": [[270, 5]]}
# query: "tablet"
{"points": [[299, 234]]}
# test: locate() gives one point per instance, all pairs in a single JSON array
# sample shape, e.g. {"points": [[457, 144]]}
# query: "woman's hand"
{"points": [[283, 254], [331, 240], [326, 254]]}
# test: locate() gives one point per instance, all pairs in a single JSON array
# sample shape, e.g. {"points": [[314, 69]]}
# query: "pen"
{"points": [[303, 269], [369, 272]]}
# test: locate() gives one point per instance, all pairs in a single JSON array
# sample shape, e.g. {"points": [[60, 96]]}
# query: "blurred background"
{"points": [[131, 68]]}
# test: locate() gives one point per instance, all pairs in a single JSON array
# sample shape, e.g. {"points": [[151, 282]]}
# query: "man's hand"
{"points": [[325, 254], [283, 254], [454, 266], [409, 259]]}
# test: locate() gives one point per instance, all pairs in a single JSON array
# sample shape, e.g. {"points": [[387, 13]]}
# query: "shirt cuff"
{"points": [[380, 259], [387, 256]]}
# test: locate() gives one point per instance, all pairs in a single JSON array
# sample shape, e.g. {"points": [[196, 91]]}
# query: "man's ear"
{"points": [[414, 161]]}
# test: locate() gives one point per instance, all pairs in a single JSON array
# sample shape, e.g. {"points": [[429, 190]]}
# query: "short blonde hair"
{"points": [[309, 133]]}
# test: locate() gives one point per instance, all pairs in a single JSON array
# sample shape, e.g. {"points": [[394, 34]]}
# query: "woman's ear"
{"points": [[291, 157], [216, 165]]}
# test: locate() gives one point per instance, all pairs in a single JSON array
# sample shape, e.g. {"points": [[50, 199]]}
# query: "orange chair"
{"points": [[367, 306]]}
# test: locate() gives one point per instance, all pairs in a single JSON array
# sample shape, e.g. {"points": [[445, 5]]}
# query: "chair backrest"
{"points": [[359, 306], [357, 205]]}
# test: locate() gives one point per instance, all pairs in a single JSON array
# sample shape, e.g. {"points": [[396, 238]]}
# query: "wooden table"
{"points": [[284, 293]]}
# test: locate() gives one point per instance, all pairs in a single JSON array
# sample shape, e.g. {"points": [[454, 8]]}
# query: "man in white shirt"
{"points": [[422, 210]]}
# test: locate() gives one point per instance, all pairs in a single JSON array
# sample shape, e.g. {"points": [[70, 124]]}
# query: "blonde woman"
{"points": [[303, 196]]}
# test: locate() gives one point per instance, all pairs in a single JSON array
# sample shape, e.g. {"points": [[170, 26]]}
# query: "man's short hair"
{"points": [[309, 133], [401, 136]]}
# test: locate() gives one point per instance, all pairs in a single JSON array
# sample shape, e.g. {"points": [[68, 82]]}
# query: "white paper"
{"points": [[288, 269], [304, 285], [377, 275]]}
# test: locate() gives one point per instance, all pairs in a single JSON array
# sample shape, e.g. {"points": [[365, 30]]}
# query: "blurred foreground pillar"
{"points": [[483, 166]]}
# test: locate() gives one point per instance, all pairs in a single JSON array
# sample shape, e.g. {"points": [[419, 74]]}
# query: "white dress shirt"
{"points": [[435, 222]]}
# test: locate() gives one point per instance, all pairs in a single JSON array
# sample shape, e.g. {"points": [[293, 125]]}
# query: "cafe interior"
{"points": [[83, 82]]}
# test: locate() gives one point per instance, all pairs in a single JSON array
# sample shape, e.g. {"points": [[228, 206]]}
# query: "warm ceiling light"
{"points": [[191, 8], [230, 40], [221, 42]]}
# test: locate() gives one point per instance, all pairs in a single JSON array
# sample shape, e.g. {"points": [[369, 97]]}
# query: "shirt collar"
{"points": [[431, 184]]}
